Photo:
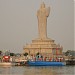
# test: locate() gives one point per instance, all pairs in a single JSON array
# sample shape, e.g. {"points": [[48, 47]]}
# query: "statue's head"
{"points": [[43, 5]]}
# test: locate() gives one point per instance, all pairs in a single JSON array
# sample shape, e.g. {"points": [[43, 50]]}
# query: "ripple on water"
{"points": [[30, 70]]}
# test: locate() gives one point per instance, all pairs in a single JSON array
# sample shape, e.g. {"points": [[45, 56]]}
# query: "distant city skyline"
{"points": [[19, 25]]}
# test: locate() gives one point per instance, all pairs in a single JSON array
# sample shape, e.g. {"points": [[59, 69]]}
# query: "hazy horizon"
{"points": [[19, 25]]}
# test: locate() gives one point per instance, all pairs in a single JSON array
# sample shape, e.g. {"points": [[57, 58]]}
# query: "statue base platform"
{"points": [[43, 46]]}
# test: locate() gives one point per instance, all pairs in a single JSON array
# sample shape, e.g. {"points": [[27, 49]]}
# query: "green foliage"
{"points": [[12, 54], [37, 53], [25, 54], [7, 53], [70, 53], [0, 52]]}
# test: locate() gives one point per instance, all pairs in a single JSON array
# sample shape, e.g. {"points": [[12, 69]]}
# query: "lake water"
{"points": [[37, 70]]}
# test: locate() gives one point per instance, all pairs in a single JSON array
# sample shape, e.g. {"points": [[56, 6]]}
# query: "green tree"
{"points": [[25, 54], [37, 53], [12, 54], [0, 52]]}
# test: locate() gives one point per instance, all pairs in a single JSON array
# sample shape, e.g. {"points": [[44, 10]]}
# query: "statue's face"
{"points": [[43, 5]]}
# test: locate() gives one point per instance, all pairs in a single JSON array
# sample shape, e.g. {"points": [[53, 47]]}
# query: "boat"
{"points": [[40, 61], [6, 61], [6, 64], [45, 63]]}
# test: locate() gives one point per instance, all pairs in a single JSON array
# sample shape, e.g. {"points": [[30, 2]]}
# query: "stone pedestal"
{"points": [[45, 47]]}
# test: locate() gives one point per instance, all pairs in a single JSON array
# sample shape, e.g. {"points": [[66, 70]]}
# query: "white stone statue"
{"points": [[42, 15]]}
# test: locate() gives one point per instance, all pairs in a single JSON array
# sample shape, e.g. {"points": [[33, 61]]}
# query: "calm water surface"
{"points": [[43, 70]]}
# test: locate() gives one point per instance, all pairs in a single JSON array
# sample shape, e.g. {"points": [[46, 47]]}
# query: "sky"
{"points": [[19, 24], [74, 25]]}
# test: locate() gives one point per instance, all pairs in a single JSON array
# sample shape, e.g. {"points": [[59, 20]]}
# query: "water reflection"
{"points": [[50, 71], [43, 70], [40, 71]]}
